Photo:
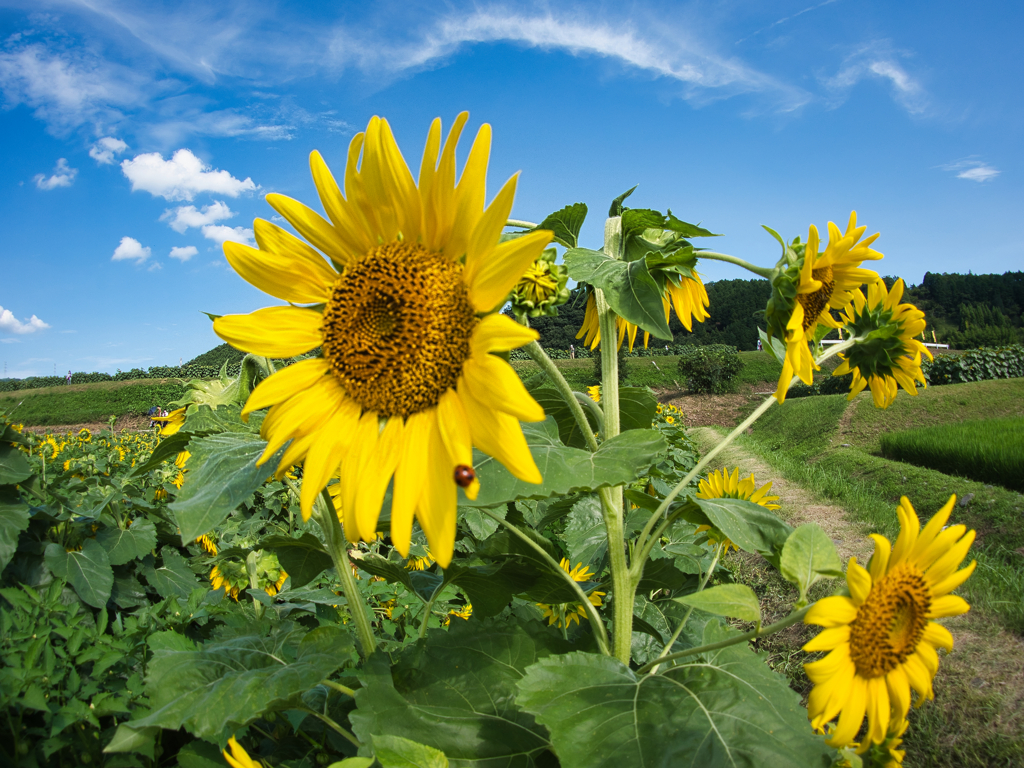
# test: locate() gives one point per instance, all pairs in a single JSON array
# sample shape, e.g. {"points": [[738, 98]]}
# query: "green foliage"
{"points": [[94, 404], [990, 451], [944, 297], [709, 370], [623, 365], [216, 357], [737, 310], [976, 365]]}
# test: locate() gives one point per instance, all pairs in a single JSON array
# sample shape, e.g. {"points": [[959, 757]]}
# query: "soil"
{"points": [[717, 410]]}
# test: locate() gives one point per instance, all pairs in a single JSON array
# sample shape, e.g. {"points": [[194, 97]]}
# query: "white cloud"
{"points": [[221, 233], [63, 176], [103, 151], [184, 253], [658, 50], [972, 170], [878, 60], [130, 248], [185, 216], [182, 177], [11, 324]]}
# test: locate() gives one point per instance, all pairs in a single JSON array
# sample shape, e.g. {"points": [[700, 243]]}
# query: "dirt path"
{"points": [[985, 672]]}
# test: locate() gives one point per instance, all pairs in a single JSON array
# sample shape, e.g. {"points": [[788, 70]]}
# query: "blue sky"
{"points": [[138, 136]]}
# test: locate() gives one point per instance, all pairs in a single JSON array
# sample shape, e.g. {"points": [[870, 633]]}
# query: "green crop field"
{"points": [[991, 451], [85, 403]]}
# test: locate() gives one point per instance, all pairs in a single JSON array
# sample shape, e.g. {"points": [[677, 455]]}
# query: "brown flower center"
{"points": [[890, 623], [396, 329], [816, 303]]}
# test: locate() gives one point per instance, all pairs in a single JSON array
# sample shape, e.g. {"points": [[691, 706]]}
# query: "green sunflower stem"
{"points": [[753, 634], [592, 614], [764, 272], [539, 356], [519, 224], [323, 510]]}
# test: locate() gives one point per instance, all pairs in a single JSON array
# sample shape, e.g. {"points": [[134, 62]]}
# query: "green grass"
{"points": [[757, 367], [84, 403], [990, 451]]}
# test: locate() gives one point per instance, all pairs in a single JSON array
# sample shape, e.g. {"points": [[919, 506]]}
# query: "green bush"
{"points": [[710, 369], [976, 365], [989, 451]]}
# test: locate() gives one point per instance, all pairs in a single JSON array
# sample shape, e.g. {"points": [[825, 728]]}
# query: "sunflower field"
{"points": [[376, 544]]}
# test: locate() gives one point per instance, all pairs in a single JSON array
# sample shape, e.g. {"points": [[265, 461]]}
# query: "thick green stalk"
{"points": [[323, 511], [753, 634], [540, 357], [592, 614], [518, 224]]}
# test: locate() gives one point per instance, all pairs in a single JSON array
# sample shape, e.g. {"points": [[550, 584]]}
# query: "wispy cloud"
{"points": [[784, 19], [63, 176], [103, 151], [877, 60], [131, 249], [182, 177], [661, 53], [971, 169], [11, 324]]}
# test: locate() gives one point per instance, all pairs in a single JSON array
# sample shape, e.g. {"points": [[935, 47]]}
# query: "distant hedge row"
{"points": [[976, 365], [186, 372], [656, 349]]}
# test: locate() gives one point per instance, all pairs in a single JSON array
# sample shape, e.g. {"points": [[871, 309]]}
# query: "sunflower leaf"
{"points": [[808, 555], [88, 570], [725, 710], [628, 286], [455, 691], [566, 470], [734, 601], [749, 526], [396, 752], [126, 545], [219, 687], [14, 518], [566, 224], [303, 559]]}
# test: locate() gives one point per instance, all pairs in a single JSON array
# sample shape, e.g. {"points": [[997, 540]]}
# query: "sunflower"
{"points": [[881, 640], [594, 393], [722, 485], [405, 316], [686, 295], [888, 356], [542, 289], [564, 614], [207, 544], [171, 423], [239, 758], [819, 282]]}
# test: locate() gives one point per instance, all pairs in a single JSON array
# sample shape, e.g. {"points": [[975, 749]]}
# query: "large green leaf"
{"points": [[396, 752], [14, 516], [748, 525], [808, 555], [585, 534], [456, 691], [173, 578], [168, 447], [566, 470], [216, 689], [736, 601], [637, 408], [223, 474], [628, 286], [88, 570], [728, 710], [123, 546], [303, 559], [14, 467], [554, 405], [566, 224]]}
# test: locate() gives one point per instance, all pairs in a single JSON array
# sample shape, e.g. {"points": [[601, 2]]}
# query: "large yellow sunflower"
{"points": [[824, 281], [881, 639], [405, 317], [888, 357], [689, 299], [722, 485]]}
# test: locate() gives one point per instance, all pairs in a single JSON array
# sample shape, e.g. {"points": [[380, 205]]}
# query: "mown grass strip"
{"points": [[990, 451]]}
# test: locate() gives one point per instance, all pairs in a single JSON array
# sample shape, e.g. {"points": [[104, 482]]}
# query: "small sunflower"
{"points": [[888, 357], [207, 544], [171, 423], [239, 758], [594, 393], [882, 640], [542, 289], [405, 316], [722, 485], [686, 295], [564, 614], [806, 285]]}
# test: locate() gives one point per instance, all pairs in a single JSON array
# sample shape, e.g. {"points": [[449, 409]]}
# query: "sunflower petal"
{"points": [[310, 224], [410, 477], [285, 383], [503, 268], [272, 332], [499, 435], [493, 382]]}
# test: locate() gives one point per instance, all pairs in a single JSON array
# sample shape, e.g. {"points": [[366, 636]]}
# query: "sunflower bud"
{"points": [[542, 289]]}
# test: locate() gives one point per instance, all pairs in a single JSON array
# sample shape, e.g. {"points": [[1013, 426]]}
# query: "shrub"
{"points": [[976, 365], [710, 369]]}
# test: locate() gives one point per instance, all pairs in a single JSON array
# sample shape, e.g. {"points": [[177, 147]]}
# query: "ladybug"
{"points": [[464, 476]]}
